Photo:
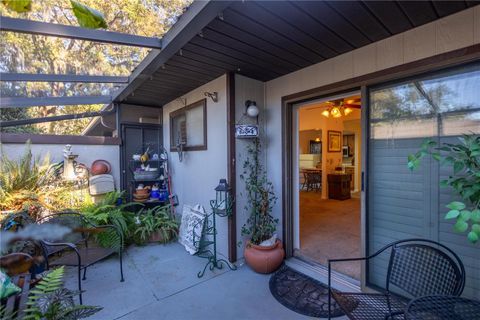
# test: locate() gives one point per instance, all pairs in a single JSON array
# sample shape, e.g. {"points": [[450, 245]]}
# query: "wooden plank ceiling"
{"points": [[267, 39]]}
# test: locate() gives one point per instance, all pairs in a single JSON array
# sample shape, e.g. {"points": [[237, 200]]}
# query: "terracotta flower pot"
{"points": [[264, 259], [100, 167]]}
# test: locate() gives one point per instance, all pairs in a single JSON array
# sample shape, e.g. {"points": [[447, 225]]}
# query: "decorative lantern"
{"points": [[221, 206], [223, 198]]}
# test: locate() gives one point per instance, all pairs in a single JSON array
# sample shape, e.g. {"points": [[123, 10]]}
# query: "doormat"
{"points": [[302, 294]]}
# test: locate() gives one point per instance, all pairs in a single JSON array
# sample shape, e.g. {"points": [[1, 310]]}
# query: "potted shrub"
{"points": [[263, 252], [155, 225]]}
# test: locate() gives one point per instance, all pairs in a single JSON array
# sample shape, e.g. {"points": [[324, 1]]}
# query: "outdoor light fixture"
{"points": [[251, 109], [245, 129], [212, 95]]}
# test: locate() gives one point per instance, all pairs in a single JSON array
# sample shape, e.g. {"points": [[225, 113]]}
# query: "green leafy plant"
{"points": [[86, 16], [51, 301], [464, 158], [23, 183], [260, 224], [32, 185], [18, 5], [107, 212], [158, 219]]}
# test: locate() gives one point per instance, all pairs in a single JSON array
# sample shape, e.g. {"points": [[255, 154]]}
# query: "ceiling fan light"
{"points": [[336, 112], [347, 111], [325, 113]]}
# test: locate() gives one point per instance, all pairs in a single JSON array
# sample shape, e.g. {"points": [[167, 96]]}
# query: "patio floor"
{"points": [[161, 283]]}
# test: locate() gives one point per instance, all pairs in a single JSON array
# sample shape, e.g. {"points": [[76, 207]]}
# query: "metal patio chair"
{"points": [[417, 267], [74, 248]]}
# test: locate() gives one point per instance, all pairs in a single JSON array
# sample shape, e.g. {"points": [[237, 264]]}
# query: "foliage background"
{"points": [[50, 55]]}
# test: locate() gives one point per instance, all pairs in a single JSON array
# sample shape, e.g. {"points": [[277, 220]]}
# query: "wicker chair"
{"points": [[417, 267], [75, 248]]}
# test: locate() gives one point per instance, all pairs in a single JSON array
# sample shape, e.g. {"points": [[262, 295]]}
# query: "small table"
{"points": [[442, 308], [339, 186]]}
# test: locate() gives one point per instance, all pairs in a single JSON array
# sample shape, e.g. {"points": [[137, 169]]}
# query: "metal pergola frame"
{"points": [[14, 123], [72, 32], [37, 77], [17, 102], [198, 15]]}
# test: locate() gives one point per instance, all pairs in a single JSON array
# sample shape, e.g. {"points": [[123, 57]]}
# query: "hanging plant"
{"points": [[464, 158]]}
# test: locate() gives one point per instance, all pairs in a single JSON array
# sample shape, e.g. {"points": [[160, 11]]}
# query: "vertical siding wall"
{"points": [[87, 154], [198, 174], [453, 32]]}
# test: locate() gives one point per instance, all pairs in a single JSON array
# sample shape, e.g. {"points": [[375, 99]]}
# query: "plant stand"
{"points": [[208, 247]]}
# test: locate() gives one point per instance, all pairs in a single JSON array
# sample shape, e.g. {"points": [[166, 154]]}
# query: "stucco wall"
{"points": [[86, 154], [195, 178], [246, 89], [453, 32]]}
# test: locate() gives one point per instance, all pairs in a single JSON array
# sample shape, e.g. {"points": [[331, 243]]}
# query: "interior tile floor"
{"points": [[330, 229]]}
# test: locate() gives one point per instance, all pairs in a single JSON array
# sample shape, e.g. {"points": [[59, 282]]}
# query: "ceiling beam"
{"points": [[31, 77], [22, 122], [73, 32], [15, 102], [190, 24]]}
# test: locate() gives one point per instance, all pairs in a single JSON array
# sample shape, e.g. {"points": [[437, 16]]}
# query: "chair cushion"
{"points": [[369, 305], [7, 287]]}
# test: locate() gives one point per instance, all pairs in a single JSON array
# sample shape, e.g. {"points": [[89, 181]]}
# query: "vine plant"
{"points": [[464, 157], [260, 224]]}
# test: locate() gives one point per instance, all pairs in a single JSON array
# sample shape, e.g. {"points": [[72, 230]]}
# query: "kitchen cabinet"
{"points": [[349, 140]]}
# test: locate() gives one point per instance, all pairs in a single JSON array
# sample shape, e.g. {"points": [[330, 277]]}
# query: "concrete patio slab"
{"points": [[161, 283]]}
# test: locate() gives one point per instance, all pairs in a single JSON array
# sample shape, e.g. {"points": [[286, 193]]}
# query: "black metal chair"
{"points": [[78, 253], [417, 267], [313, 180]]}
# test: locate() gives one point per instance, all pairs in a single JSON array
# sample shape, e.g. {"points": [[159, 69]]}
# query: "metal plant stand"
{"points": [[207, 244]]}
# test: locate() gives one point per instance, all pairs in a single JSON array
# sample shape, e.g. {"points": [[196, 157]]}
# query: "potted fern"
{"points": [[264, 252], [155, 225]]}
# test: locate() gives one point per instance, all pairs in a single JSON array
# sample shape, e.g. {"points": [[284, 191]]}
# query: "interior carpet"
{"points": [[302, 294]]}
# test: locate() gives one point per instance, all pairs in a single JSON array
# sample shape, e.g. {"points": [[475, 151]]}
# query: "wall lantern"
{"points": [[212, 95], [248, 130], [251, 109]]}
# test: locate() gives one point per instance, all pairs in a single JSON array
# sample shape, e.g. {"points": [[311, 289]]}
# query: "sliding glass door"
{"points": [[404, 204]]}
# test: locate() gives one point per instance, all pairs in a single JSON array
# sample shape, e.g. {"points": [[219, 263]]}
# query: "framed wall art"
{"points": [[334, 141]]}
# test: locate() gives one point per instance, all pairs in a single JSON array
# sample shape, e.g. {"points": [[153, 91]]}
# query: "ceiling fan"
{"points": [[341, 107]]}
